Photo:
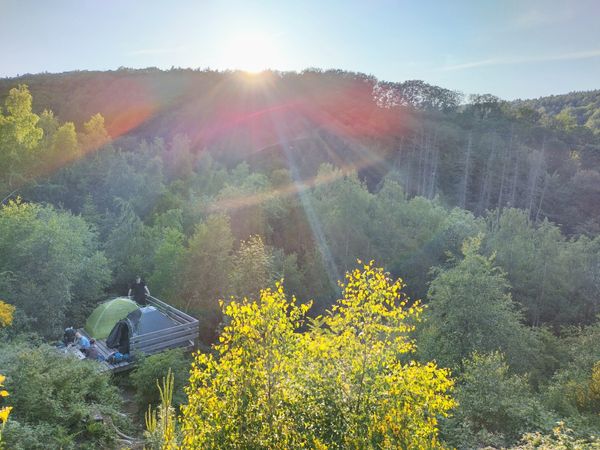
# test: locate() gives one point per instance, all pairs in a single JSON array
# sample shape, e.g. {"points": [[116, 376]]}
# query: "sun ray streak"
{"points": [[333, 273]]}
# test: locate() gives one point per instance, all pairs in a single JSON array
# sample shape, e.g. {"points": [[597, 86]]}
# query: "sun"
{"points": [[252, 51]]}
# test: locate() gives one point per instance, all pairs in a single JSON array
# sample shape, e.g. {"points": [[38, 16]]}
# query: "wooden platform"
{"points": [[182, 335]]}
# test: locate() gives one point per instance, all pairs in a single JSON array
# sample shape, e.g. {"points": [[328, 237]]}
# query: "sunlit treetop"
{"points": [[340, 383]]}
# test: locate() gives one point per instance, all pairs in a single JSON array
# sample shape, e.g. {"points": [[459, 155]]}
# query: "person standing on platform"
{"points": [[139, 290]]}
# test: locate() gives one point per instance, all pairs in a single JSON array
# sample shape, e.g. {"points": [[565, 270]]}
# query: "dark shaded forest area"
{"points": [[214, 185]]}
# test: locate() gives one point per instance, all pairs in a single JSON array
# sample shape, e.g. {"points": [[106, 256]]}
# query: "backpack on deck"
{"points": [[117, 357], [69, 336]]}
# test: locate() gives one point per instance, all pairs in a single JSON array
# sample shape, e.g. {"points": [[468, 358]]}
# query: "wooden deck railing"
{"points": [[184, 334]]}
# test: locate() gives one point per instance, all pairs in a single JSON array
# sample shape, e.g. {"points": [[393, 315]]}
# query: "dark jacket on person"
{"points": [[139, 293]]}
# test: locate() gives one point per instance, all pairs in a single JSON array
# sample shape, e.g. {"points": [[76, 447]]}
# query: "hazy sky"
{"points": [[510, 48]]}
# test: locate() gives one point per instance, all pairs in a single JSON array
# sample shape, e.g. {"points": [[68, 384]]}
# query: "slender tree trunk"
{"points": [[425, 168], [537, 214], [436, 154], [399, 159], [412, 167], [485, 188], [421, 161], [501, 192], [465, 184], [513, 190], [534, 179]]}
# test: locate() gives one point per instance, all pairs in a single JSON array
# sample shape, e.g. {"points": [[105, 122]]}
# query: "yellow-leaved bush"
{"points": [[6, 317], [5, 411], [6, 314], [278, 380]]}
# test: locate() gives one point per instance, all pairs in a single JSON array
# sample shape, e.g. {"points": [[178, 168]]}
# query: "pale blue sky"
{"points": [[510, 48]]}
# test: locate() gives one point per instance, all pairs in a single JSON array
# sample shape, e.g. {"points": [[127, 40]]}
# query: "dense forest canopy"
{"points": [[477, 153], [217, 185]]}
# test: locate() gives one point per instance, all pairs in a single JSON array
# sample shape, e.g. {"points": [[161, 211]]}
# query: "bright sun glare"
{"points": [[251, 51]]}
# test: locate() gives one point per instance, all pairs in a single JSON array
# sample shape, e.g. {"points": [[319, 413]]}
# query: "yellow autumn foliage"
{"points": [[6, 314], [5, 411], [278, 380], [6, 317]]}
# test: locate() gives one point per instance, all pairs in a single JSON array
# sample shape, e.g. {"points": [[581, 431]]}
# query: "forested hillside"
{"points": [[477, 156], [570, 110], [215, 185]]}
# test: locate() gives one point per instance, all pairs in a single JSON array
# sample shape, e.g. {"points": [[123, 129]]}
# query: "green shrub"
{"points": [[562, 438], [575, 389], [495, 406], [152, 370], [23, 436], [58, 401]]}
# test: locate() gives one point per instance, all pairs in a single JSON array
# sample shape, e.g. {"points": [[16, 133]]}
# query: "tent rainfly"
{"points": [[106, 315], [142, 321]]}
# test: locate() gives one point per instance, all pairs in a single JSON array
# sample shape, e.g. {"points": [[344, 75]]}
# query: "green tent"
{"points": [[105, 316]]}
